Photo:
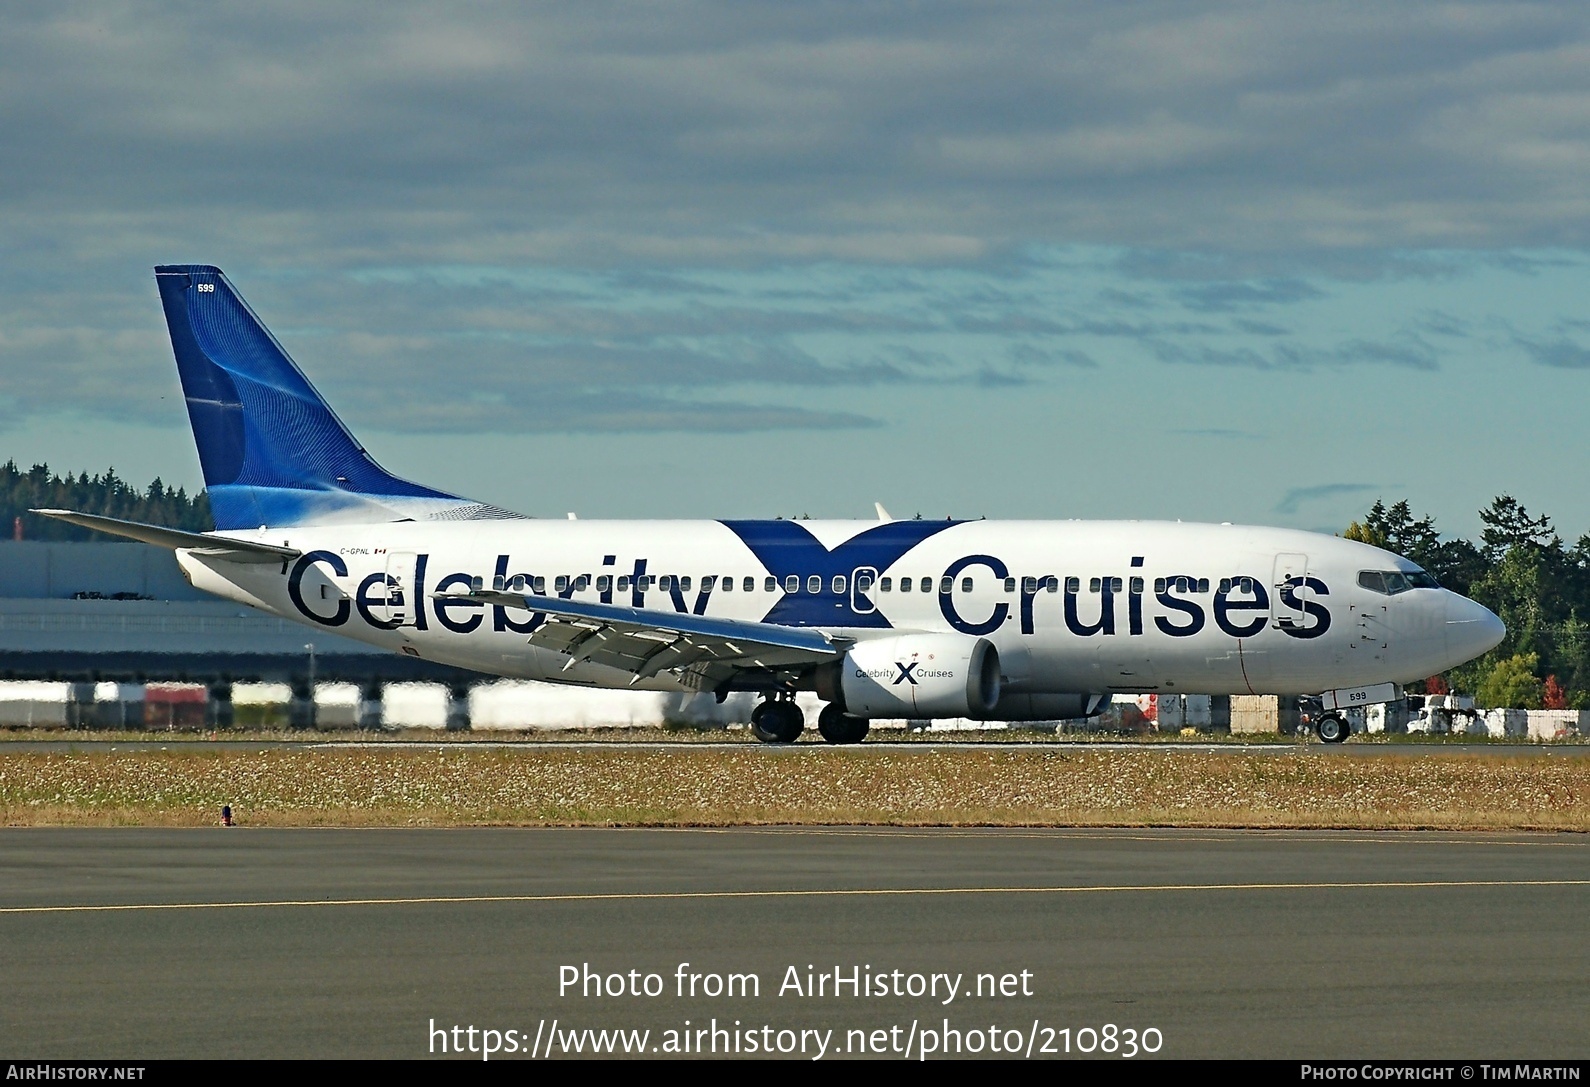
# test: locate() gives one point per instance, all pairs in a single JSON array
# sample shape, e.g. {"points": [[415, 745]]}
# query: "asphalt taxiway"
{"points": [[210, 942]]}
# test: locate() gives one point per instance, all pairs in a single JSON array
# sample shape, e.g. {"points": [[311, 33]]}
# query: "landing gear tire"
{"points": [[1333, 729], [777, 722], [839, 727]]}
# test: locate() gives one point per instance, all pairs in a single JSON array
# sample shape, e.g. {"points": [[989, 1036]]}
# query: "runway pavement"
{"points": [[142, 943]]}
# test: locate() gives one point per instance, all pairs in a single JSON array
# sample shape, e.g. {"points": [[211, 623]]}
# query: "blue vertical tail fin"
{"points": [[272, 451]]}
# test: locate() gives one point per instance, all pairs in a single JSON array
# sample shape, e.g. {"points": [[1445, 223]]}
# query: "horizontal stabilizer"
{"points": [[215, 547]]}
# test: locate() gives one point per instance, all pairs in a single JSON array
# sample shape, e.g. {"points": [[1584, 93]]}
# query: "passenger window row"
{"points": [[865, 583], [792, 583], [925, 585]]}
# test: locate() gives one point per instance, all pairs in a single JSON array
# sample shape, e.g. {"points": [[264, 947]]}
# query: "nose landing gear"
{"points": [[777, 721], [1333, 729]]}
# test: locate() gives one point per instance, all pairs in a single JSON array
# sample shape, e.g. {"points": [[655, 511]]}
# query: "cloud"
{"points": [[1000, 379], [804, 132], [1562, 353], [1227, 296], [1301, 496], [1156, 143], [1407, 351], [1259, 328], [605, 414], [492, 207], [1219, 432], [1438, 323], [1027, 354]]}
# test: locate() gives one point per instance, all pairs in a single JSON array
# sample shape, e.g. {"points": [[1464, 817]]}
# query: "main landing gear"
{"points": [[777, 721], [839, 727], [1333, 729]]}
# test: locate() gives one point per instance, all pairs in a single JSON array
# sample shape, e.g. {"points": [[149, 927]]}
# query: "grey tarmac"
{"points": [[143, 943]]}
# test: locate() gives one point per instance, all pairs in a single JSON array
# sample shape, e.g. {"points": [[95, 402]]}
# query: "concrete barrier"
{"points": [[34, 703], [1554, 724], [414, 705], [1390, 717], [117, 706], [261, 705], [337, 705], [1253, 713], [509, 704], [1498, 723], [261, 694], [1170, 712], [176, 706], [526, 704]]}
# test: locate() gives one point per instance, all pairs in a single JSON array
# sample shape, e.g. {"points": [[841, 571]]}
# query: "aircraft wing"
{"points": [[214, 547], [705, 651]]}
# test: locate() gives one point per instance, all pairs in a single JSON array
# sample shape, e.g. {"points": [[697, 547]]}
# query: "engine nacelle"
{"points": [[918, 676], [1048, 707]]}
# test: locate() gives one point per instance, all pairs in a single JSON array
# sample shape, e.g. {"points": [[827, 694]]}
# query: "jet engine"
{"points": [[915, 675]]}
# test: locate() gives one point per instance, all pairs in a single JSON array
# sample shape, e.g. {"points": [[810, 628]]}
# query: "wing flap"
{"points": [[644, 643]]}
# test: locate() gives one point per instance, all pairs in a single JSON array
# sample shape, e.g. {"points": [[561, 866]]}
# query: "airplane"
{"points": [[919, 619]]}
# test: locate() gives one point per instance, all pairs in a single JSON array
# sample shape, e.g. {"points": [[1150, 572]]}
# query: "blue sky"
{"points": [[1253, 262]]}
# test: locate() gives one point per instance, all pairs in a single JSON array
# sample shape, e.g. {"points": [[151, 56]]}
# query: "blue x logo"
{"points": [[787, 548], [905, 673]]}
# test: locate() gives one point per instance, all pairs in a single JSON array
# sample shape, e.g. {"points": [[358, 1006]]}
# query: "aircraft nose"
{"points": [[1471, 629]]}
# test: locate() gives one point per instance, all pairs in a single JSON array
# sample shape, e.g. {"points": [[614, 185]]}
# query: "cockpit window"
{"points": [[1392, 582]]}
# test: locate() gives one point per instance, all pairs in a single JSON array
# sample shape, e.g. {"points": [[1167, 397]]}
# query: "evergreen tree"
{"points": [[1528, 585], [1454, 563], [106, 494], [1508, 526]]}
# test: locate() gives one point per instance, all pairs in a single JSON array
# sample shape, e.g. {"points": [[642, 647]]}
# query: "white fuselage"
{"points": [[1072, 606]]}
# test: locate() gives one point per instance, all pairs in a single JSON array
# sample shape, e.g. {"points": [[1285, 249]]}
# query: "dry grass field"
{"points": [[980, 785]]}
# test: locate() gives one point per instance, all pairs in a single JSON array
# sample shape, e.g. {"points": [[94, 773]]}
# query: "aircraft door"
{"points": [[400, 603], [863, 583], [1287, 609], [1375, 633]]}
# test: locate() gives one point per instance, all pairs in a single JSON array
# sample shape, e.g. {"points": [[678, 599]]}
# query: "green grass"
{"points": [[1029, 785]]}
